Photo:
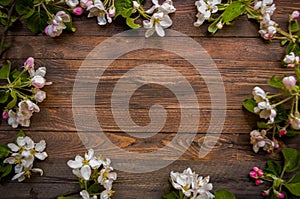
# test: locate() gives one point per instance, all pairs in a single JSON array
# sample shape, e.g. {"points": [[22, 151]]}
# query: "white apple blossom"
{"points": [[167, 7], [266, 111], [259, 94], [291, 60], [192, 185], [260, 140], [57, 26], [24, 152], [82, 166], [98, 10], [267, 26], [24, 112], [107, 177], [97, 170], [205, 8], [158, 22]]}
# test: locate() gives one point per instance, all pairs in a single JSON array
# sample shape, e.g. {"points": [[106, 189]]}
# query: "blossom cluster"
{"points": [[267, 110], [267, 25], [191, 184], [160, 17], [23, 154], [205, 9], [259, 176], [90, 169], [96, 8], [157, 17], [26, 87]]}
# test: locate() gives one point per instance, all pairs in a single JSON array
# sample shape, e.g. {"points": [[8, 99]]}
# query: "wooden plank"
{"points": [[68, 48]]}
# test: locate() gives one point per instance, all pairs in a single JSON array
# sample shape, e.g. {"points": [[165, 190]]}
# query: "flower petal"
{"points": [[38, 170], [74, 164], [39, 147], [86, 172], [41, 156], [13, 147]]}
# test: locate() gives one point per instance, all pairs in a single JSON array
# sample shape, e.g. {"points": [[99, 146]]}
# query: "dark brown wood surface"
{"points": [[242, 57]]}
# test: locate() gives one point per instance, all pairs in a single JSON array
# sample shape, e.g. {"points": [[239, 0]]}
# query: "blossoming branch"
{"points": [[21, 92], [95, 175]]}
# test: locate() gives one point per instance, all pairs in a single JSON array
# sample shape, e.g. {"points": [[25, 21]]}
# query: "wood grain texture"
{"points": [[243, 59]]}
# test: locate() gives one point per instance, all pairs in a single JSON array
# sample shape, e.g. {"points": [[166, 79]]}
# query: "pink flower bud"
{"points": [[289, 82], [112, 11], [265, 193], [295, 15], [49, 30], [253, 174], [77, 11], [29, 63], [258, 182], [40, 96], [4, 114], [282, 132], [260, 173], [280, 195], [256, 169], [38, 81]]}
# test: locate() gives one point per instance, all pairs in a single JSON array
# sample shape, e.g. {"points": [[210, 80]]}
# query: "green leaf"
{"points": [[212, 28], [276, 82], [21, 134], [250, 104], [171, 195], [292, 132], [291, 159], [16, 74], [4, 70], [281, 114], [283, 42], [224, 194], [234, 10], [131, 24], [37, 22], [273, 168], [294, 26], [3, 96], [24, 8], [4, 151], [293, 185], [293, 47], [124, 8], [5, 170], [94, 188], [263, 125], [5, 2], [13, 102]]}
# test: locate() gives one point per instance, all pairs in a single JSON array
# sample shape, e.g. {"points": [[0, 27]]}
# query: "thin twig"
{"points": [[4, 35]]}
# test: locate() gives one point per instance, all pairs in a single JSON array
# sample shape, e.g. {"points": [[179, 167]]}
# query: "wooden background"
{"points": [[242, 57]]}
